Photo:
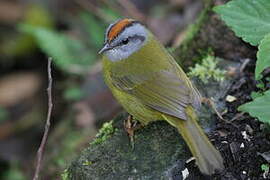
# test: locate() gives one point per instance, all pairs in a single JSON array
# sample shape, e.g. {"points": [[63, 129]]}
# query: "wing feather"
{"points": [[163, 91]]}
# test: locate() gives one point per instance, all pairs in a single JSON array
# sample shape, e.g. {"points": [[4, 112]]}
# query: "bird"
{"points": [[150, 85]]}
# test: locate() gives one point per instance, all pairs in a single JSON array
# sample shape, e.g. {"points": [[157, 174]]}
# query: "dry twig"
{"points": [[47, 126]]}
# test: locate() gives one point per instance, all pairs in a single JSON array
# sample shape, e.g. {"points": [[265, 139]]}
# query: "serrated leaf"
{"points": [[68, 54], [263, 56], [249, 19], [258, 108]]}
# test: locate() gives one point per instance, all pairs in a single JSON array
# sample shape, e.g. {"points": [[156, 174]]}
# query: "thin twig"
{"points": [[237, 116], [244, 65], [47, 126], [211, 103]]}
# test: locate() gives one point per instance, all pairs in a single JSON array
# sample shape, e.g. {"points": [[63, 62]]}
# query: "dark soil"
{"points": [[240, 154]]}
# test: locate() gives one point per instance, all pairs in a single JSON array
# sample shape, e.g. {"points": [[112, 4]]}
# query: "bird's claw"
{"points": [[131, 126]]}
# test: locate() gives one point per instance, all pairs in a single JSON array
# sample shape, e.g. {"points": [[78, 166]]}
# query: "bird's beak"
{"points": [[105, 48]]}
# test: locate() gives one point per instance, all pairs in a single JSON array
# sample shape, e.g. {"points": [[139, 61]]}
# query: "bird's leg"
{"points": [[131, 126], [211, 103]]}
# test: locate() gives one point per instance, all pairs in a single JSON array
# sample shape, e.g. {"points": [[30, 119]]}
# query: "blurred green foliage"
{"points": [[70, 55], [93, 28], [14, 173], [3, 114], [73, 93], [23, 43]]}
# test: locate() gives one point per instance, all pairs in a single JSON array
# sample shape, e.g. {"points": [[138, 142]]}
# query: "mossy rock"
{"points": [[157, 151]]}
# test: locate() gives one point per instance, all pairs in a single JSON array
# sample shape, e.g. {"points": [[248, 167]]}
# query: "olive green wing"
{"points": [[163, 91]]}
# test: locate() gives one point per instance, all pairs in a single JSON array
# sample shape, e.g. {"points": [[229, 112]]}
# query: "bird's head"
{"points": [[123, 38]]}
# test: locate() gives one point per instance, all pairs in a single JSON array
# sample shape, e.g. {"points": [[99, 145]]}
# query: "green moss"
{"points": [[87, 163], [207, 70], [104, 133], [65, 175], [156, 148]]}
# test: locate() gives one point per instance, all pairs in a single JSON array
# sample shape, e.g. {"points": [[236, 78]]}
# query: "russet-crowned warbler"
{"points": [[151, 86]]}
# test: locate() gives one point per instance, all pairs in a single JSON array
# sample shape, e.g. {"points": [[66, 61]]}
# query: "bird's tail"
{"points": [[207, 157]]}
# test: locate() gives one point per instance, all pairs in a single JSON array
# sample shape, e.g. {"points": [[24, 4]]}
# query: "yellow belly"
{"points": [[134, 107]]}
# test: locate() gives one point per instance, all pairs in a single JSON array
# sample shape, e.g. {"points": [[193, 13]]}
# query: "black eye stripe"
{"points": [[127, 40], [141, 38]]}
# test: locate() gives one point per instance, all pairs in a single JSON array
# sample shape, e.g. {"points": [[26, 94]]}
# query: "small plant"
{"points": [[265, 169], [250, 20], [65, 175], [104, 133], [207, 70], [87, 163]]}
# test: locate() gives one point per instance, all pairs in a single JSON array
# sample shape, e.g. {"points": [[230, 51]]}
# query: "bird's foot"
{"points": [[211, 103], [131, 126]]}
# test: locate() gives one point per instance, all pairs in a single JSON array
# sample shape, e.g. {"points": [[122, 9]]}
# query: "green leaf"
{"points": [[68, 54], [249, 19], [260, 85], [258, 108], [14, 172], [94, 29], [255, 95], [3, 114], [263, 56], [73, 93]]}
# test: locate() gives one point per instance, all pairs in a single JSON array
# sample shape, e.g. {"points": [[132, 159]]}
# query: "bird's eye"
{"points": [[125, 41]]}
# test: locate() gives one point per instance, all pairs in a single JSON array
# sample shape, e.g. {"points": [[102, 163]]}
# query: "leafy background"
{"points": [[250, 20]]}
